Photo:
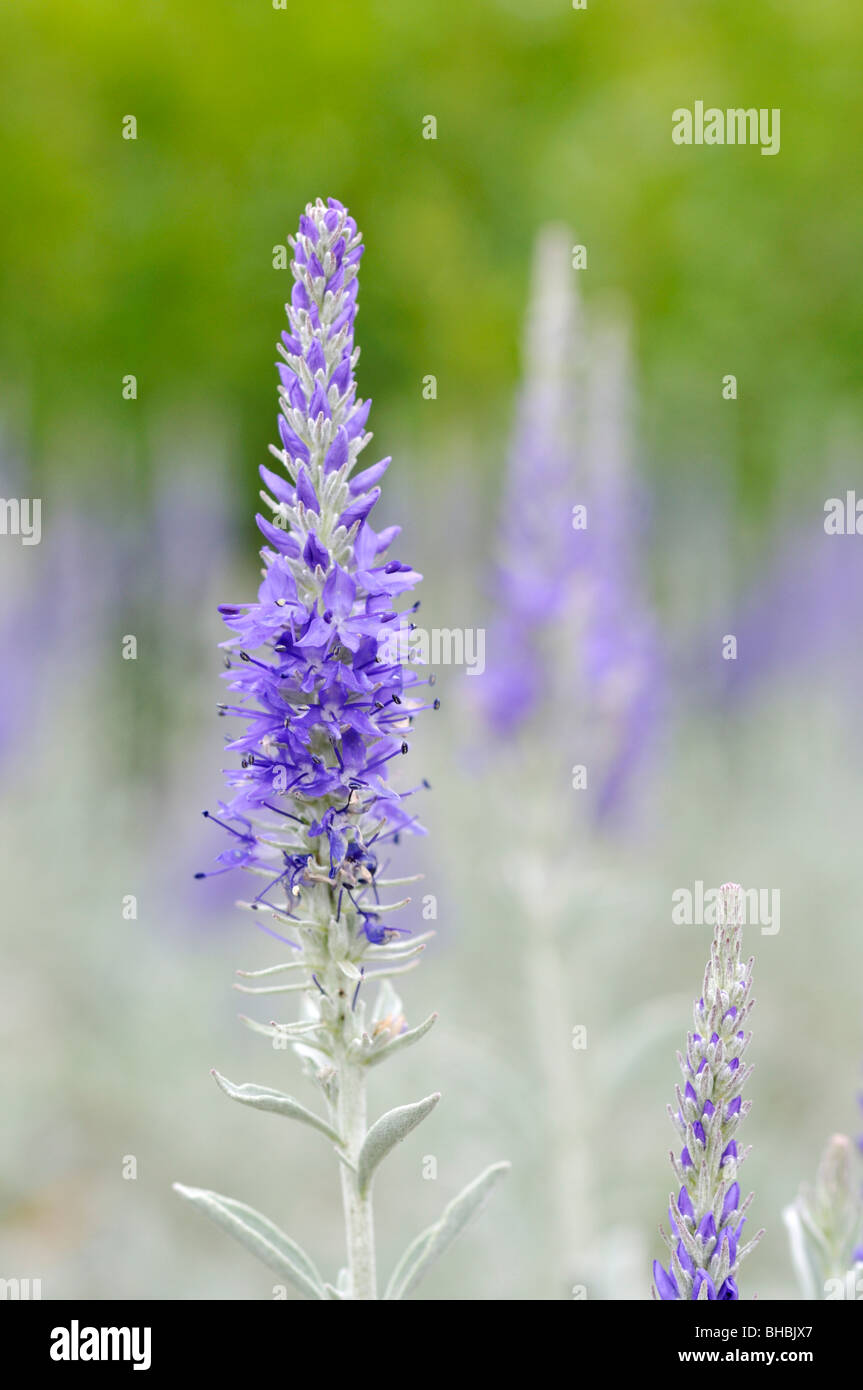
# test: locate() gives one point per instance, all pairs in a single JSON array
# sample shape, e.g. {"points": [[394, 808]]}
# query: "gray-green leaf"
{"points": [[388, 1131], [259, 1235], [431, 1243], [263, 1098]]}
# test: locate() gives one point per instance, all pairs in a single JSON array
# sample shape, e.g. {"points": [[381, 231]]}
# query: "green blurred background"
{"points": [[154, 257]]}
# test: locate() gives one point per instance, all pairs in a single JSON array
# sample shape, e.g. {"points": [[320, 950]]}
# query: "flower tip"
{"points": [[731, 905]]}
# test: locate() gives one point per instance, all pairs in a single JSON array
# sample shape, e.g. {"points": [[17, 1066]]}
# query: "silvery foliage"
{"points": [[825, 1224]]}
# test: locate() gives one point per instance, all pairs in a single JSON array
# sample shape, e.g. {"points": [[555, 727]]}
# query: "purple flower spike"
{"points": [[310, 666], [706, 1218]]}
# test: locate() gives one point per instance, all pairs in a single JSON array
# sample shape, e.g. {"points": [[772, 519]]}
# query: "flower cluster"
{"points": [[707, 1215], [327, 711]]}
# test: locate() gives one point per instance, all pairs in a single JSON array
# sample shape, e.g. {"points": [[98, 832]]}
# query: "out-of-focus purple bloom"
{"points": [[707, 1216], [796, 615], [623, 661], [572, 630], [310, 665], [23, 676], [539, 549], [60, 608]]}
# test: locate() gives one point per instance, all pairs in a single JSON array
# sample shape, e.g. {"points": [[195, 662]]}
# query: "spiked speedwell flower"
{"points": [[328, 709], [328, 714], [707, 1215]]}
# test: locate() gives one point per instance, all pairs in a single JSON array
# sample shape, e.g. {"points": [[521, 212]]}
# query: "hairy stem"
{"points": [[359, 1221], [568, 1194]]}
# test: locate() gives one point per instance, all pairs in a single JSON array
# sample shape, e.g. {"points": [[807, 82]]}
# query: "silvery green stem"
{"points": [[334, 957], [552, 997], [359, 1220]]}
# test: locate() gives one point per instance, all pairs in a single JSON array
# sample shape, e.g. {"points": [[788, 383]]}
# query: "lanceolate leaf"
{"points": [[259, 1235], [263, 1098], [433, 1242], [388, 1131]]}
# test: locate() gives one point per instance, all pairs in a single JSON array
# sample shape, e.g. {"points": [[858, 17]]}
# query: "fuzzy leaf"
{"points": [[431, 1243], [280, 1030], [263, 1098], [259, 1235], [388, 1131]]}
